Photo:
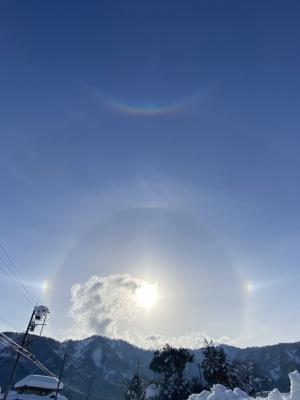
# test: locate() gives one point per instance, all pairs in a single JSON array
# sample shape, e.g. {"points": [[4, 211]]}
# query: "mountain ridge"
{"points": [[112, 361]]}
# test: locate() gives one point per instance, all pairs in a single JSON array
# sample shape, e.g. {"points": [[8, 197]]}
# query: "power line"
{"points": [[12, 273], [25, 282], [7, 270], [15, 344], [16, 277], [8, 323], [51, 329], [42, 367], [10, 278], [9, 342]]}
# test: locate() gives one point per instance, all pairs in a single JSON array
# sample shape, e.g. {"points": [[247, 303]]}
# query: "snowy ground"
{"points": [[220, 392]]}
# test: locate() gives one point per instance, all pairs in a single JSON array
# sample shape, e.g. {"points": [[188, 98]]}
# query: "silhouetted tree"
{"points": [[215, 367], [135, 389], [170, 363], [196, 386], [244, 374]]}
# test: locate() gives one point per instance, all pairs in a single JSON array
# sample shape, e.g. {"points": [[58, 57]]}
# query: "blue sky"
{"points": [[156, 140]]}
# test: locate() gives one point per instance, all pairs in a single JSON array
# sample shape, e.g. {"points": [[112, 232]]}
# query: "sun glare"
{"points": [[249, 287], [45, 286], [146, 295]]}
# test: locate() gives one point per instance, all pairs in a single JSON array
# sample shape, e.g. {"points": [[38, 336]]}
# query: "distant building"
{"points": [[33, 387]]}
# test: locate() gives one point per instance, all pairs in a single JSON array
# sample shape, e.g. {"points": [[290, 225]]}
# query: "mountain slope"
{"points": [[112, 361]]}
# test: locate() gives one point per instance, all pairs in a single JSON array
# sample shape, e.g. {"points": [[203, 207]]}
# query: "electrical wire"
{"points": [[13, 343], [9, 268], [13, 264], [12, 273], [50, 327], [10, 278], [8, 323], [32, 358]]}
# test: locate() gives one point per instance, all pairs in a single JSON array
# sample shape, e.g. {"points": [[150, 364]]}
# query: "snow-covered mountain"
{"points": [[274, 363], [109, 361], [112, 361]]}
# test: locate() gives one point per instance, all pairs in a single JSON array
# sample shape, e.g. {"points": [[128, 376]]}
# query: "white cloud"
{"points": [[101, 305], [193, 340]]}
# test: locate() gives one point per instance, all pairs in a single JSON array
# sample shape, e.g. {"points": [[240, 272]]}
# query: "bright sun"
{"points": [[146, 295], [249, 287]]}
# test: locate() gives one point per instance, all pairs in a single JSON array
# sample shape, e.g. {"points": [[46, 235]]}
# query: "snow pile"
{"points": [[220, 392], [152, 391]]}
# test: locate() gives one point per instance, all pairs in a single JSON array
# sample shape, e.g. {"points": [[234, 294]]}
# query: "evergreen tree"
{"points": [[196, 386], [135, 389], [244, 372], [215, 367], [171, 363]]}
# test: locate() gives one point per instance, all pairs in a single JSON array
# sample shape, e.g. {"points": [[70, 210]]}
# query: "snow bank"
{"points": [[220, 392], [152, 391]]}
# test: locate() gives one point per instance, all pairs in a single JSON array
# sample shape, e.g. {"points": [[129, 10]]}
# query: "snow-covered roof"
{"points": [[39, 381], [15, 396]]}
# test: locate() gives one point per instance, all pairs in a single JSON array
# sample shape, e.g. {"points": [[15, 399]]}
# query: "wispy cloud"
{"points": [[192, 340]]}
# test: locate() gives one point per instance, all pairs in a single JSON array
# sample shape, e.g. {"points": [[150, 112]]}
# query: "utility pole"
{"points": [[43, 324], [36, 313], [200, 374], [89, 387], [66, 355], [139, 382], [13, 372]]}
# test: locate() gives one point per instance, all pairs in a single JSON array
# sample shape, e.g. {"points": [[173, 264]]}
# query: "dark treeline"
{"points": [[170, 363]]}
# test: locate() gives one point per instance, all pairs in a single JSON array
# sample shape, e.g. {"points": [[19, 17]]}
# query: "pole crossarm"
{"points": [[37, 313]]}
